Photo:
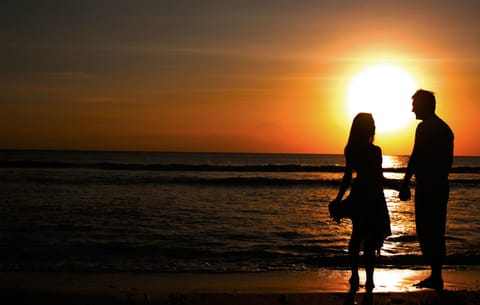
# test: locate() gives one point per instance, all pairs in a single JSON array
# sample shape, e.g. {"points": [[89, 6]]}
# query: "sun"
{"points": [[385, 91]]}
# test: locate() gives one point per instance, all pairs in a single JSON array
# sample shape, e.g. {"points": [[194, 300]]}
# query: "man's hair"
{"points": [[426, 98]]}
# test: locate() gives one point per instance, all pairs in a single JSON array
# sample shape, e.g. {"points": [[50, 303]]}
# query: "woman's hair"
{"points": [[361, 132]]}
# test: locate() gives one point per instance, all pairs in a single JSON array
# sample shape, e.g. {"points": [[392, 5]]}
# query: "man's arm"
{"points": [[404, 193]]}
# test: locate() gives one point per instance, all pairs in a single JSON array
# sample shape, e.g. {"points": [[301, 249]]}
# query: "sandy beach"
{"points": [[393, 286]]}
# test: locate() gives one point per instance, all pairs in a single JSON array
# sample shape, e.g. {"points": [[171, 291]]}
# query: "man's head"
{"points": [[423, 104]]}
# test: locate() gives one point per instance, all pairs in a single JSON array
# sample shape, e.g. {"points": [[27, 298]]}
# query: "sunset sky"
{"points": [[226, 76]]}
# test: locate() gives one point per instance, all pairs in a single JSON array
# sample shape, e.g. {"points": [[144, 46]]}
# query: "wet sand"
{"points": [[393, 286]]}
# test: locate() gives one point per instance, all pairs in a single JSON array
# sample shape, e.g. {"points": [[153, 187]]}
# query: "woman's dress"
{"points": [[371, 222]]}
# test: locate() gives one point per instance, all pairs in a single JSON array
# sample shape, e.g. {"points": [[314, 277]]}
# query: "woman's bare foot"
{"points": [[354, 282]]}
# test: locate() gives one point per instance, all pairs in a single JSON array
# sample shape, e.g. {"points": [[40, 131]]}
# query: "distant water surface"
{"points": [[202, 212]]}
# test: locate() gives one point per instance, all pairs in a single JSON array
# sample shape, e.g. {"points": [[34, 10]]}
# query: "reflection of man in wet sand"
{"points": [[431, 161]]}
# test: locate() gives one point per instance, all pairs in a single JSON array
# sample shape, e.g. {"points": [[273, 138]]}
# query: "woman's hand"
{"points": [[332, 209]]}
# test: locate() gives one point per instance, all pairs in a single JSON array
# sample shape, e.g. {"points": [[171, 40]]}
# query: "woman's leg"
{"points": [[353, 253], [369, 257]]}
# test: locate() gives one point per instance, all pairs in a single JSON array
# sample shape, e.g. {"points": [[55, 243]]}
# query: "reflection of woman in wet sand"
{"points": [[371, 222]]}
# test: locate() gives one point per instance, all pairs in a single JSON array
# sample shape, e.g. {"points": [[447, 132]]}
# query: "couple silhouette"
{"points": [[430, 162]]}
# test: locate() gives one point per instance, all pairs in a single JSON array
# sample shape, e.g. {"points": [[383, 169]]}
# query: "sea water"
{"points": [[203, 212]]}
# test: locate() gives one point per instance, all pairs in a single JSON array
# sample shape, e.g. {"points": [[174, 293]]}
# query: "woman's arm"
{"points": [[391, 184], [385, 182], [346, 180]]}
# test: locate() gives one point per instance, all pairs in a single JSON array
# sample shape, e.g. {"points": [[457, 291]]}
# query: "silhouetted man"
{"points": [[431, 161]]}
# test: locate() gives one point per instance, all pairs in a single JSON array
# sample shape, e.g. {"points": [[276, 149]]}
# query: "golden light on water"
{"points": [[392, 162], [389, 162], [402, 224], [396, 280]]}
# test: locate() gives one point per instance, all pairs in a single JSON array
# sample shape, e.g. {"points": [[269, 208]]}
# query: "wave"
{"points": [[221, 263], [206, 167], [202, 181], [197, 180], [405, 260], [175, 167], [206, 174]]}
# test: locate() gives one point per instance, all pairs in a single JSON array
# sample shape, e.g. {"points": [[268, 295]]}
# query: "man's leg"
{"points": [[430, 217]]}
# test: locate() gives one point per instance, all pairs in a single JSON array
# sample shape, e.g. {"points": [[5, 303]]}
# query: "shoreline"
{"points": [[324, 286]]}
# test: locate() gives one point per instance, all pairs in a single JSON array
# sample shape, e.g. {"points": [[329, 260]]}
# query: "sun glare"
{"points": [[385, 91]]}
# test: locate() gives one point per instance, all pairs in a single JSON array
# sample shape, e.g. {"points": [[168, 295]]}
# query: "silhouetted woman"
{"points": [[371, 221]]}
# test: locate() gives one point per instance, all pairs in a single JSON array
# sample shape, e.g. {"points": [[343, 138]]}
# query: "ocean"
{"points": [[80, 211]]}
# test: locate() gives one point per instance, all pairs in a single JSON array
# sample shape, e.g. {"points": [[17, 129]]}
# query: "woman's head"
{"points": [[362, 130]]}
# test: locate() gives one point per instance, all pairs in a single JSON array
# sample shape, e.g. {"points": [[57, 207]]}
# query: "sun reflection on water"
{"points": [[389, 161], [396, 280], [402, 223]]}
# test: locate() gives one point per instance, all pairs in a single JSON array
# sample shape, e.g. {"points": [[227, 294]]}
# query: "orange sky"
{"points": [[248, 76]]}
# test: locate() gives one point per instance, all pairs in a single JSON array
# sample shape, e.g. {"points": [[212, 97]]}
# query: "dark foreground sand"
{"points": [[329, 287]]}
